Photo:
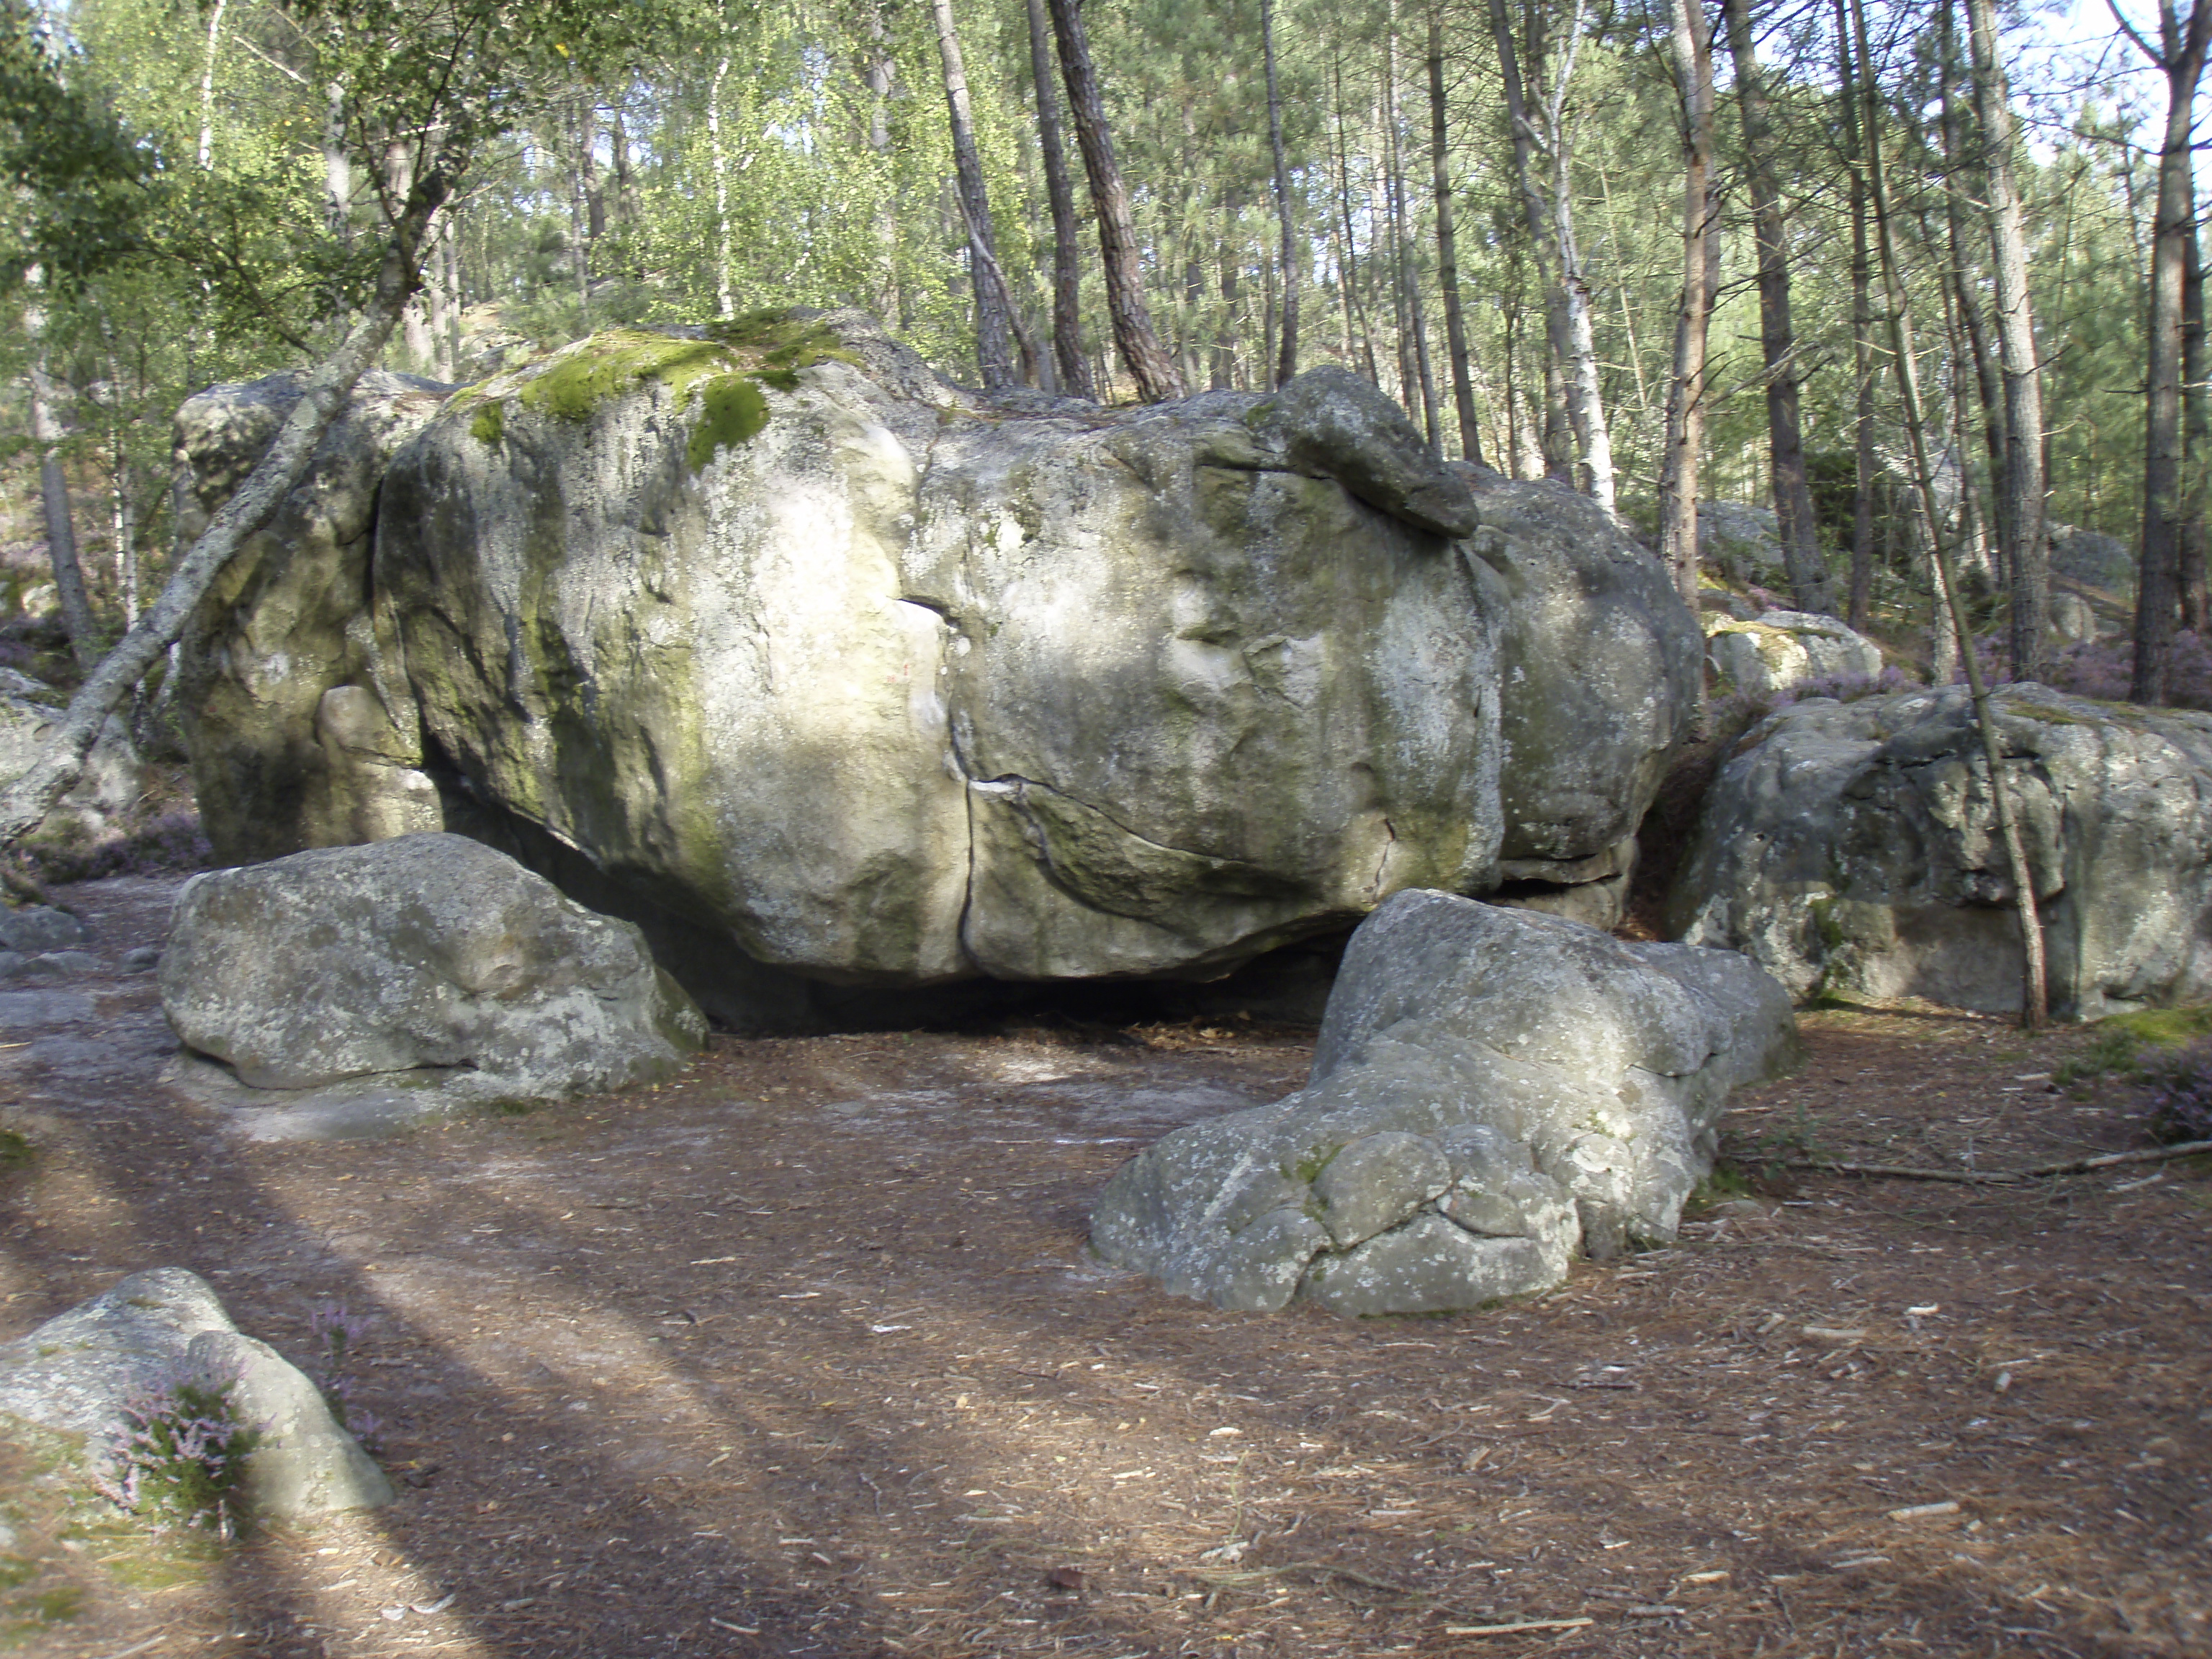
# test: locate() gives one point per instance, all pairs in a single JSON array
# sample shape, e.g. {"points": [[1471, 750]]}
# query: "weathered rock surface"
{"points": [[834, 677], [113, 777], [1851, 849], [1777, 650], [300, 734], [2092, 557], [426, 951], [135, 1341], [1493, 1089], [37, 927], [1599, 665], [1743, 542]]}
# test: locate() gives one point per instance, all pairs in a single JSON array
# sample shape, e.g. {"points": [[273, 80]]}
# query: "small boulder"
{"points": [[1492, 1089], [1778, 650], [429, 950], [37, 927], [75, 1374]]}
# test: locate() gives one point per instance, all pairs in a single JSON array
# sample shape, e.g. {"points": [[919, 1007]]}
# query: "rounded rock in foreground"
{"points": [[429, 950]]}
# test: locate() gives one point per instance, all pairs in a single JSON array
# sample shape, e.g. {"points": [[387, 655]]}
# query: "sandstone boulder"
{"points": [[1778, 650], [2093, 558], [1851, 850], [133, 1343], [1742, 541], [426, 951], [298, 733], [112, 778], [1492, 1089]]}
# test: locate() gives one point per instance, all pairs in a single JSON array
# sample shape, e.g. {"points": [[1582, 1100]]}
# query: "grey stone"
{"points": [[75, 1373], [300, 733], [429, 951], [1744, 542], [1778, 650], [27, 1014], [1493, 1089], [1339, 426], [2094, 559], [2073, 620], [14, 965], [141, 958], [38, 928], [66, 961], [376, 1107], [1851, 850], [1599, 665], [113, 777]]}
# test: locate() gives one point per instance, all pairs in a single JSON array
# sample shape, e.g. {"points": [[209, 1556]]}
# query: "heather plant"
{"points": [[179, 1461], [2103, 669], [340, 1333], [167, 842]]}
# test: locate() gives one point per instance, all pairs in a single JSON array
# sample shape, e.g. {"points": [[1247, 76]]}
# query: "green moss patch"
{"points": [[490, 423], [782, 344], [731, 410]]}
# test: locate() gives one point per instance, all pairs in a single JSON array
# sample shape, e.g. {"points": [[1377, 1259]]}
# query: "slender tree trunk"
{"points": [[338, 167], [1691, 48], [1412, 337], [54, 500], [1066, 230], [1793, 491], [993, 306], [1585, 392], [60, 762], [2182, 60], [1223, 375], [2027, 550], [1866, 465], [1470, 438], [1558, 461], [1287, 361], [2196, 435], [719, 164], [2035, 996], [1150, 366], [207, 85], [1960, 302]]}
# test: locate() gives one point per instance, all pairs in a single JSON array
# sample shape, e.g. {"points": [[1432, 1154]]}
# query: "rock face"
{"points": [[2090, 556], [1851, 850], [834, 676], [136, 1341], [429, 951], [1741, 541], [29, 708], [299, 735], [1492, 1089], [1779, 649]]}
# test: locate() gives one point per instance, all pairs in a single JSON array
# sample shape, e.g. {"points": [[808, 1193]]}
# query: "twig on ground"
{"points": [[1525, 1623], [2004, 1177]]}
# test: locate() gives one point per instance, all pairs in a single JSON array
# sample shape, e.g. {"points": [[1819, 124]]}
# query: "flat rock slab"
{"points": [[132, 1344], [372, 1108], [29, 1013]]}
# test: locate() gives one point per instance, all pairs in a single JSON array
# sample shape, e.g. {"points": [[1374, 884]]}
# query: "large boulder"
{"points": [[77, 1375], [112, 779], [1781, 650], [1492, 1089], [836, 677], [298, 733], [426, 951], [2094, 559], [890, 689], [1851, 850]]}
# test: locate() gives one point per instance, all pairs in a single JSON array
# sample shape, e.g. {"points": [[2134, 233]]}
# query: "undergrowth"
{"points": [[179, 1461]]}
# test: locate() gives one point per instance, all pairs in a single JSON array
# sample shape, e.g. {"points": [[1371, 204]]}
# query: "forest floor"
{"points": [[803, 1356]]}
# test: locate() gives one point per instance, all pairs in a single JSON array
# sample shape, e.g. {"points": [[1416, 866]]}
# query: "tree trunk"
{"points": [[1470, 440], [60, 524], [207, 85], [1223, 375], [1793, 491], [338, 167], [1066, 232], [2196, 435], [1558, 461], [2034, 997], [2183, 62], [1150, 366], [1287, 361], [1351, 245], [993, 343], [2026, 552], [1691, 48], [1413, 337], [1866, 466], [719, 166], [60, 762]]}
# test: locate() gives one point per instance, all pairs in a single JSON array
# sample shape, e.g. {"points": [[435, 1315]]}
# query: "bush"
{"points": [[2180, 1084]]}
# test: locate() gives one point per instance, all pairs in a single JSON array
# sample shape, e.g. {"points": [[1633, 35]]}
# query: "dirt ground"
{"points": [[803, 1356]]}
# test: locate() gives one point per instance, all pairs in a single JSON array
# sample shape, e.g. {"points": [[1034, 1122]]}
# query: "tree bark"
{"points": [[1865, 464], [60, 522], [2182, 61], [1692, 49], [719, 165], [1149, 364], [994, 341], [1558, 461], [207, 85], [2035, 996], [1470, 441], [1351, 300], [24, 802], [1066, 231], [1794, 516], [1287, 361], [2027, 551], [2196, 435]]}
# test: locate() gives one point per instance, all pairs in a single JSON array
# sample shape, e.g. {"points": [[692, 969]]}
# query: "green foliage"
{"points": [[181, 1459], [2122, 1045], [731, 410]]}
